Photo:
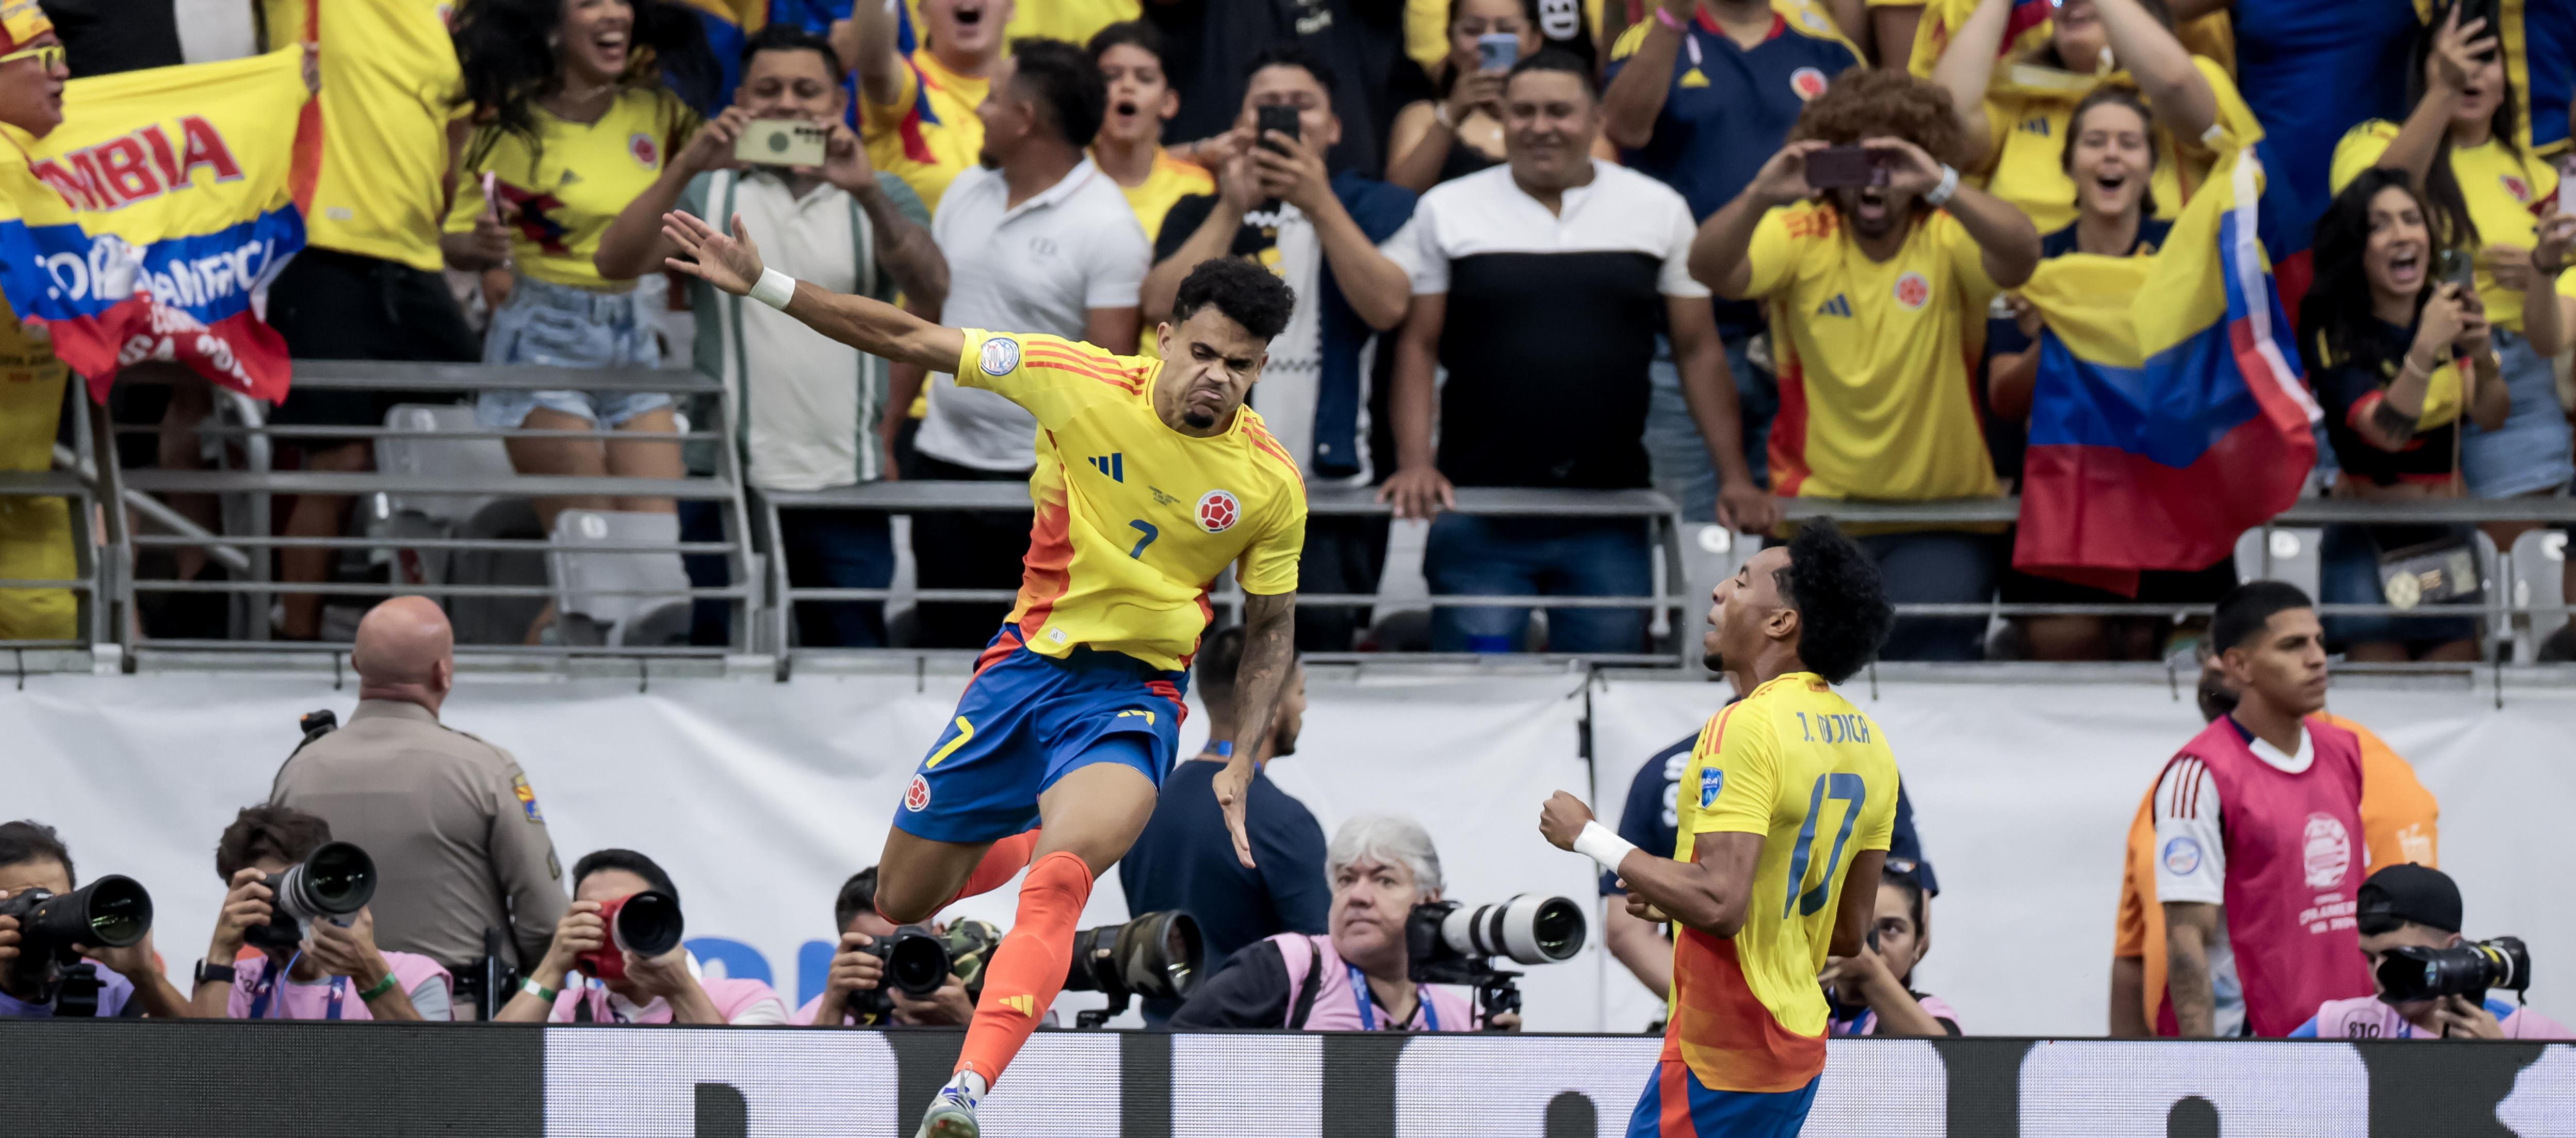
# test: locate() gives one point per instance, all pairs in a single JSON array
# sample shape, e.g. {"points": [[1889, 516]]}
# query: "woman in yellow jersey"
{"points": [[2483, 192], [2016, 112], [2110, 154], [1433, 142], [572, 121]]}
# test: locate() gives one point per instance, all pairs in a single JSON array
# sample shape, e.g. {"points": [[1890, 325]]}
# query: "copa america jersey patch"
{"points": [[1219, 510], [916, 797], [1712, 780], [1001, 356], [2182, 857]]}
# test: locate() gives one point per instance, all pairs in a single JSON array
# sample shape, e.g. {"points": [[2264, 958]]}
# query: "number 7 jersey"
{"points": [[1135, 520], [1797, 763]]}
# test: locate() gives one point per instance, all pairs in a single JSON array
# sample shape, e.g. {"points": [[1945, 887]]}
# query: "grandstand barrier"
{"points": [[136, 1078]]}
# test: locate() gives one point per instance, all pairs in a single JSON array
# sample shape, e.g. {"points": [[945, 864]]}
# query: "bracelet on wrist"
{"points": [[378, 988], [1440, 114], [540, 991]]}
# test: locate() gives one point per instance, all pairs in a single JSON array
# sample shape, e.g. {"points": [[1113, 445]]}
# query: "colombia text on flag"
{"points": [[173, 205], [2169, 415]]}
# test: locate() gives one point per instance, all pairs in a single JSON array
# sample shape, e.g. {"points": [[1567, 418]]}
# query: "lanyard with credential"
{"points": [[1368, 1013], [268, 988]]}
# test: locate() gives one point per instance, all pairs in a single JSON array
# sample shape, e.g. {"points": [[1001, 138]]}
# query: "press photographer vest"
{"points": [[255, 998], [2295, 858], [1320, 985]]}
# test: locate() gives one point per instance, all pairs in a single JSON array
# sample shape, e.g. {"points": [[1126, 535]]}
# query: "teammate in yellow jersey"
{"points": [[1790, 792], [1152, 477]]}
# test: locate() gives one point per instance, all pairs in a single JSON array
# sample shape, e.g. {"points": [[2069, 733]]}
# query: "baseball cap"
{"points": [[22, 21], [2409, 892]]}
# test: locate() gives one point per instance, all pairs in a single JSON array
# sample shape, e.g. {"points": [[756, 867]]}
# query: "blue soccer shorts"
{"points": [[1024, 722], [1676, 1105]]}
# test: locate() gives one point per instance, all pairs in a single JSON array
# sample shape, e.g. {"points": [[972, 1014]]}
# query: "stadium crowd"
{"points": [[1730, 249]]}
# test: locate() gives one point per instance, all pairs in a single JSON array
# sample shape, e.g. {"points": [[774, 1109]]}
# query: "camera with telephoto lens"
{"points": [[1452, 944], [333, 883], [646, 924], [111, 912], [918, 963], [2470, 969], [1156, 956]]}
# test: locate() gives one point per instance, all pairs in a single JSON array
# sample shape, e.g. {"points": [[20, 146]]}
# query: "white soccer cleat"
{"points": [[951, 1116]]}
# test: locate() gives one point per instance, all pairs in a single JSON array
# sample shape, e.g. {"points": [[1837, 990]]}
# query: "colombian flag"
{"points": [[2169, 414], [173, 203]]}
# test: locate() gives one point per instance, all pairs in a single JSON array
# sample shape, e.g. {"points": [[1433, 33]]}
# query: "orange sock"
{"points": [[1001, 863], [1028, 969]]}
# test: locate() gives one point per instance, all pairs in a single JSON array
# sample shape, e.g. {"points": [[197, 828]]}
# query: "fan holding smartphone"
{"points": [[1461, 132]]}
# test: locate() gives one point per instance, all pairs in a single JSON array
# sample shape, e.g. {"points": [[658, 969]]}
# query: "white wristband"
{"points": [[1939, 195], [774, 289], [1601, 845]]}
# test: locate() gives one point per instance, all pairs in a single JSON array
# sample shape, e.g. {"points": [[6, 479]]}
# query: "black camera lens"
{"points": [[1558, 928], [916, 961], [1156, 956], [648, 924], [117, 911], [339, 879], [2409, 973]]}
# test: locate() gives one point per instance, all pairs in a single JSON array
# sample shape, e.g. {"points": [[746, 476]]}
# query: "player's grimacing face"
{"points": [[1209, 365]]}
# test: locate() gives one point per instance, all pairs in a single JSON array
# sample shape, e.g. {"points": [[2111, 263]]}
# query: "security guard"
{"points": [[458, 842]]}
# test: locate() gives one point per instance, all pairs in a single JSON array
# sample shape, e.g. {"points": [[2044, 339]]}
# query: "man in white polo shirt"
{"points": [[810, 406], [1037, 238]]}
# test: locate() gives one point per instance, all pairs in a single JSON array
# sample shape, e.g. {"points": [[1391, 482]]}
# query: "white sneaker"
{"points": [[951, 1116]]}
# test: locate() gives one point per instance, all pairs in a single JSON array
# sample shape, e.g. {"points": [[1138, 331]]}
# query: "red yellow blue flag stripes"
{"points": [[168, 201], [2169, 414]]}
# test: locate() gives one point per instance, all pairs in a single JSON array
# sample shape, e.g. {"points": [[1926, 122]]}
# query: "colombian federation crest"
{"points": [[1218, 510], [916, 797]]}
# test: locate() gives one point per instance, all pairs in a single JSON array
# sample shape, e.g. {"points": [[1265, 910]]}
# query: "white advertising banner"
{"points": [[760, 798]]}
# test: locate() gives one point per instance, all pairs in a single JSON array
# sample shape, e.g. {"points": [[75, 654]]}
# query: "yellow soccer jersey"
{"points": [[1134, 519], [1873, 358], [2501, 186], [389, 76], [562, 192], [2028, 121], [1798, 764], [929, 134]]}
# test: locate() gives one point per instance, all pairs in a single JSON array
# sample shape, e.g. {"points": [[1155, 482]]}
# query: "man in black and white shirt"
{"points": [[1277, 206], [1038, 240], [1540, 286]]}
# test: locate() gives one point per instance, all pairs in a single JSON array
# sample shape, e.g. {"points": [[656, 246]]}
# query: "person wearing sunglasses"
{"points": [[35, 533]]}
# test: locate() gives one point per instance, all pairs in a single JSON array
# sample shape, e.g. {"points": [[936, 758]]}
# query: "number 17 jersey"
{"points": [[1796, 763]]}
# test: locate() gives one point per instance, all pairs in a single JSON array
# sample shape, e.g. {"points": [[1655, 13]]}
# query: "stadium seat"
{"points": [[618, 596], [2537, 569], [433, 515], [2282, 553]]}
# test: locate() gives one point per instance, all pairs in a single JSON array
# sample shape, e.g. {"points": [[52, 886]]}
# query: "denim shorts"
{"points": [[2531, 452], [562, 326]]}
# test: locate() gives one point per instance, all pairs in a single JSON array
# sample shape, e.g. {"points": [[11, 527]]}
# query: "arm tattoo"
{"points": [[1269, 649], [2394, 427]]}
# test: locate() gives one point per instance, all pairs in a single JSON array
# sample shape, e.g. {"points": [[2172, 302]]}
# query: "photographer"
{"points": [[856, 971], [651, 989], [2411, 906], [336, 972], [1871, 992], [131, 983], [1357, 977]]}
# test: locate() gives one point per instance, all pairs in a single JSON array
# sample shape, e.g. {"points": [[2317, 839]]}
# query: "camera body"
{"points": [[111, 912], [920, 961], [1452, 944], [2470, 968], [333, 883]]}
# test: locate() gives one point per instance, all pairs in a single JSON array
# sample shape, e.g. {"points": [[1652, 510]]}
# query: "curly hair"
{"points": [[1843, 614], [1251, 295], [1864, 103], [506, 52]]}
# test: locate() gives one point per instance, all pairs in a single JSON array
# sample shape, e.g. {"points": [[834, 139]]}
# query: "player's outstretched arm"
{"points": [[1269, 650], [732, 263], [1707, 893]]}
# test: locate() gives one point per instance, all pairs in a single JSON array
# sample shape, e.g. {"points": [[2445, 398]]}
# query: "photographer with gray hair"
{"points": [[1354, 978]]}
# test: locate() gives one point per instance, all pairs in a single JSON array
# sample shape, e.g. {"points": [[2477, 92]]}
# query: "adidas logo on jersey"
{"points": [[1025, 1005], [1838, 306], [2038, 126], [1113, 465]]}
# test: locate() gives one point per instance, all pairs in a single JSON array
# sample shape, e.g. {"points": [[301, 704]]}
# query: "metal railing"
{"points": [[1688, 557]]}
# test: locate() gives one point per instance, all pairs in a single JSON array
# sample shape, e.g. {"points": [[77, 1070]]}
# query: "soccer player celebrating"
{"points": [[1789, 793], [1152, 477]]}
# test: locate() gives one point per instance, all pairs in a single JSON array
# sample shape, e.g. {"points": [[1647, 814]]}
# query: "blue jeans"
{"points": [[1673, 444], [2349, 575], [1936, 567], [1512, 556], [826, 549], [2531, 451], [562, 326]]}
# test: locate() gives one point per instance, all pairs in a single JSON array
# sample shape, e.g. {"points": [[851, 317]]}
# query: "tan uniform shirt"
{"points": [[451, 822]]}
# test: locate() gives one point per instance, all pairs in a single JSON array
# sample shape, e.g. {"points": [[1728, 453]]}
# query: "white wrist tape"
{"points": [[774, 289], [1940, 195], [1600, 844]]}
